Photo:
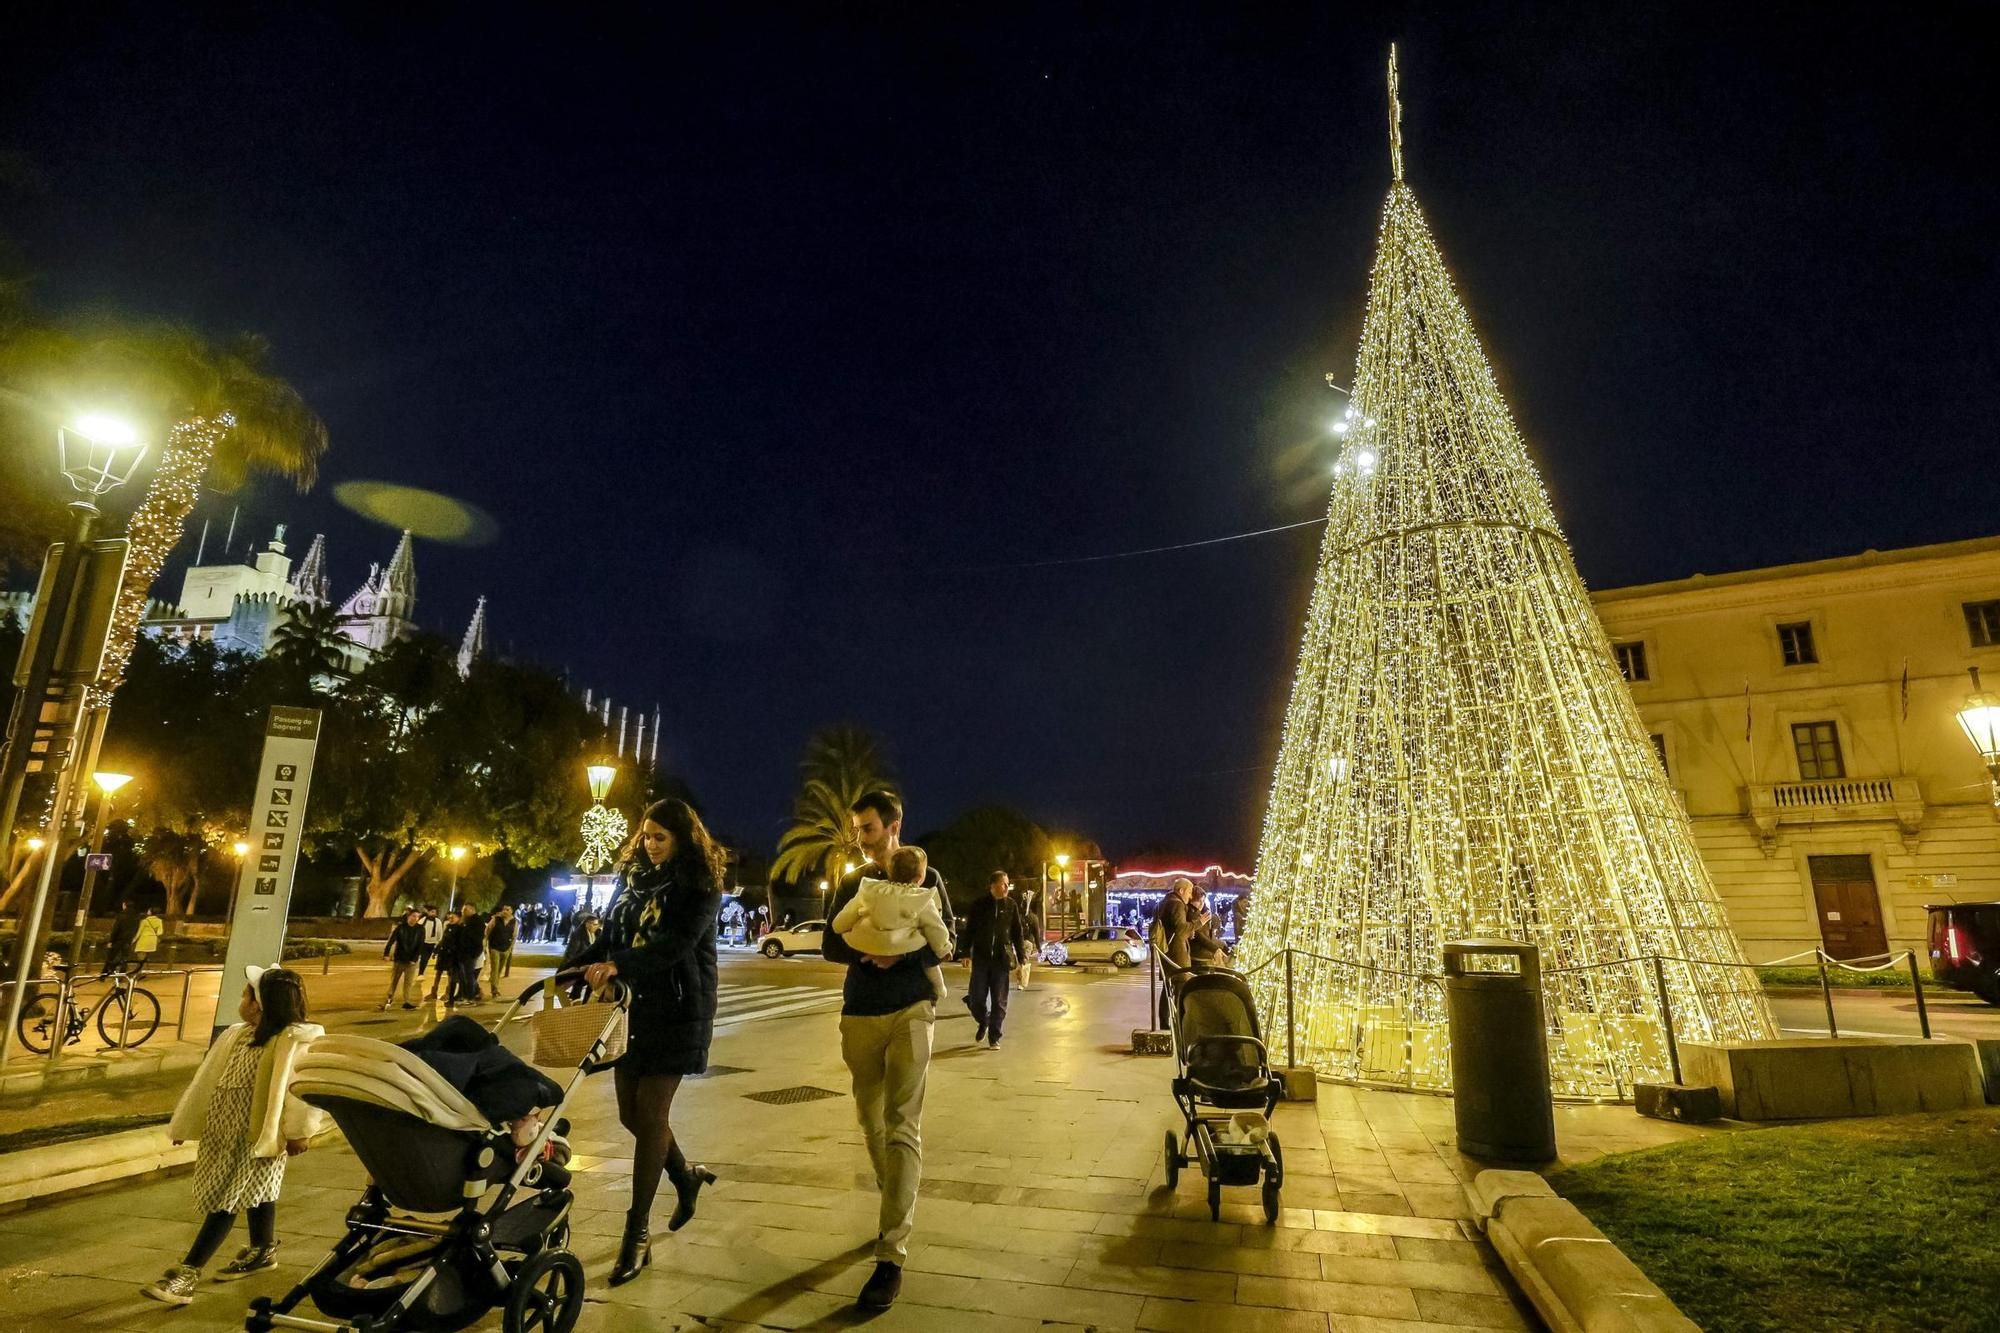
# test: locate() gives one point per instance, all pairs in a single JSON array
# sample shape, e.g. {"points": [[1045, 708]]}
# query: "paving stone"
{"points": [[1235, 1259], [1327, 1297], [1479, 1311], [1385, 1225], [1201, 1317], [1407, 1273]]}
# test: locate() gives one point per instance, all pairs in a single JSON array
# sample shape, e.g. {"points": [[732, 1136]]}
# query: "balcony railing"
{"points": [[1836, 801]]}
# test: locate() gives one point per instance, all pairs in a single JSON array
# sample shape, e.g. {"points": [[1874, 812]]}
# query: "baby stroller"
{"points": [[432, 1245], [1224, 1087]]}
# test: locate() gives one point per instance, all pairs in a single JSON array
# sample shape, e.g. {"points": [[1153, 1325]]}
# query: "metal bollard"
{"points": [[1291, 1023], [325, 959], [187, 989], [1826, 994], [1667, 1018], [1917, 980], [125, 1021]]}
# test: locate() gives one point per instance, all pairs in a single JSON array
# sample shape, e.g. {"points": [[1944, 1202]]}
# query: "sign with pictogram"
{"points": [[264, 885]]}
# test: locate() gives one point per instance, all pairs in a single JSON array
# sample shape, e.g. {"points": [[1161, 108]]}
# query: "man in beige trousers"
{"points": [[886, 1016]]}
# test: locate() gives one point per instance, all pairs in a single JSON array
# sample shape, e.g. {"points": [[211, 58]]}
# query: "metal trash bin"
{"points": [[1499, 1051]]}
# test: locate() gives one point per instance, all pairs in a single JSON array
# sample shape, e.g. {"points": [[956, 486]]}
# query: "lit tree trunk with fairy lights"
{"points": [[155, 530], [1461, 758]]}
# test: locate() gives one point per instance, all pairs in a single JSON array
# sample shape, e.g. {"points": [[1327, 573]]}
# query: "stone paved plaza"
{"points": [[1044, 1204]]}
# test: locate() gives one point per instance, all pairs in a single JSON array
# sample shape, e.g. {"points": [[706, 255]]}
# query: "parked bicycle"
{"points": [[127, 1016]]}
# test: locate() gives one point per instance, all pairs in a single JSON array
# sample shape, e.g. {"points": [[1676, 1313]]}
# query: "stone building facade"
{"points": [[1807, 714]]}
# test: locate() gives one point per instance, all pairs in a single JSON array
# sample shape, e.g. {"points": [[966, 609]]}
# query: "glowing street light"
{"points": [[604, 828], [241, 848], [457, 854], [1980, 720], [109, 785]]}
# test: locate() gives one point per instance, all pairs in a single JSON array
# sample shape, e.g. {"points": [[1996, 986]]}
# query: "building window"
{"points": [[1660, 748], [1631, 660], [1818, 745], [1796, 643], [1983, 620]]}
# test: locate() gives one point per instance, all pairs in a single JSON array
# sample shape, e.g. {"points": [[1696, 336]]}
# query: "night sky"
{"points": [[778, 340]]}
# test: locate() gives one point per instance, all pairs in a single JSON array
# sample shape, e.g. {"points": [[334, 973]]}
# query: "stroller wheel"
{"points": [[546, 1295], [557, 1239], [1173, 1161], [1214, 1200]]}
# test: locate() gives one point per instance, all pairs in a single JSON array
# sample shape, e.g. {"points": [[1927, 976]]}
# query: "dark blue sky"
{"points": [[764, 332]]}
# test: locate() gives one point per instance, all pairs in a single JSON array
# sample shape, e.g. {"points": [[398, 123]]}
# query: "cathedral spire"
{"points": [[399, 582], [309, 581], [473, 646]]}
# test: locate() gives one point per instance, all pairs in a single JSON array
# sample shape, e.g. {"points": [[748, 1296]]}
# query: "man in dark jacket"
{"points": [[1169, 937], [996, 941], [124, 930], [499, 949], [405, 951]]}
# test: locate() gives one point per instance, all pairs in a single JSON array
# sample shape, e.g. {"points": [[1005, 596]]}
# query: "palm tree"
{"points": [[308, 641], [230, 419], [174, 857], [840, 765]]}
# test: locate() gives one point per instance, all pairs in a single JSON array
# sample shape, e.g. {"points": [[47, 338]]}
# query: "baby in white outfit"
{"points": [[897, 915]]}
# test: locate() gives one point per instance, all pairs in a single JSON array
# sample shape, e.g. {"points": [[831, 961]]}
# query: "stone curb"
{"points": [[24, 1080], [43, 1174], [37, 1174], [1574, 1276]]}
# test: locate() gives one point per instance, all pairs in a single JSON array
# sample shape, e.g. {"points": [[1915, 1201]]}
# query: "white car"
{"points": [[1121, 946], [805, 937]]}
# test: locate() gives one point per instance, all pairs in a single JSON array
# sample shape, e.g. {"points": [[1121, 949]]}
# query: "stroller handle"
{"points": [[620, 994]]}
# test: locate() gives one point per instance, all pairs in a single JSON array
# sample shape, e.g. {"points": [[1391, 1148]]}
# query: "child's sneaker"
{"points": [[176, 1287], [250, 1259]]}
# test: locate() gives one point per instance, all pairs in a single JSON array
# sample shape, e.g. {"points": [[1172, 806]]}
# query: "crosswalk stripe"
{"points": [[774, 1006]]}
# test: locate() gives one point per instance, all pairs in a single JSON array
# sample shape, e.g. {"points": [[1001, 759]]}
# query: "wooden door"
{"points": [[1850, 913]]}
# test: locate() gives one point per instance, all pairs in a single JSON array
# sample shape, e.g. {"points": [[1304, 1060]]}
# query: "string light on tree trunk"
{"points": [[1460, 756]]}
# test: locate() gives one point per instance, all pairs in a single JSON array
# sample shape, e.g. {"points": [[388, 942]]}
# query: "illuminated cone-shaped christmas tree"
{"points": [[1461, 758]]}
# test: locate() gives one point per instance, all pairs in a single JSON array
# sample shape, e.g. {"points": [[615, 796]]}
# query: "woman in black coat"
{"points": [[659, 939]]}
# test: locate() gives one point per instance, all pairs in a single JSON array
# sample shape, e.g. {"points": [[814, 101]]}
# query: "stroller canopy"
{"points": [[381, 1074]]}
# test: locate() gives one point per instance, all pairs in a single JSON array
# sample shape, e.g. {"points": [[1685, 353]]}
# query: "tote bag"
{"points": [[564, 1030]]}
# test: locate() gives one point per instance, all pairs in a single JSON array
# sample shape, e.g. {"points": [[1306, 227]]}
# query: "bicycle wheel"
{"points": [[145, 1017], [38, 1025]]}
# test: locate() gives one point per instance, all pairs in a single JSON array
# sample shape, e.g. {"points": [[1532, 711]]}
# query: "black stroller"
{"points": [[432, 1245], [1224, 1087]]}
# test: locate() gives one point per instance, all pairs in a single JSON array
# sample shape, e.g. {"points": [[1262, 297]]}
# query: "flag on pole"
{"points": [[1906, 689]]}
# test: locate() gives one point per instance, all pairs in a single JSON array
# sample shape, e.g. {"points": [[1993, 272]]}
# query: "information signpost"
{"points": [[277, 823]]}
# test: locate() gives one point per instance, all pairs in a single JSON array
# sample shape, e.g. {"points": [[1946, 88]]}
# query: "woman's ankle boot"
{"points": [[635, 1251], [685, 1192]]}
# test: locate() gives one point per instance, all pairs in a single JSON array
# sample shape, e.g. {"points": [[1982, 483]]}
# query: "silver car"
{"points": [[1120, 946]]}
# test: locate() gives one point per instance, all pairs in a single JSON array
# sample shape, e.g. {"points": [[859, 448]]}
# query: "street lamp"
{"points": [[1980, 718], [241, 848], [457, 854], [604, 828], [97, 455], [108, 786]]}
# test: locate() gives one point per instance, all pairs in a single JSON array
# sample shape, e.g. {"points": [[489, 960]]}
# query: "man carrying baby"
{"points": [[887, 1012], [897, 915]]}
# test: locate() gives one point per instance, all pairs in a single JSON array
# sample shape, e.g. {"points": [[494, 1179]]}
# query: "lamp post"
{"points": [[108, 785], [1980, 719], [457, 855], [97, 455]]}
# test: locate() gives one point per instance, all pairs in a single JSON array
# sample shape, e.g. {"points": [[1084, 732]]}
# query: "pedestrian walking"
{"points": [[1032, 924], [996, 941], [468, 960], [1169, 936], [404, 949], [659, 939], [584, 930], [146, 939], [124, 932], [433, 936], [887, 1022], [499, 949], [239, 1110]]}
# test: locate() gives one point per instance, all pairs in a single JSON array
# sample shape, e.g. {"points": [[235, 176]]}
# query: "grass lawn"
{"points": [[1853, 1224], [1895, 978]]}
